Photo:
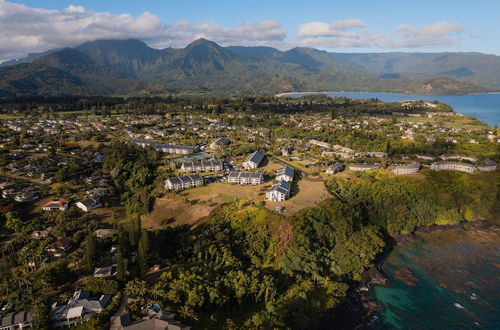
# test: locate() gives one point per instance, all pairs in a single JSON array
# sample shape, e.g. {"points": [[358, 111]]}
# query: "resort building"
{"points": [[254, 160], [203, 166], [284, 174], [56, 204], [337, 153], [319, 143], [219, 143], [459, 157], [406, 168], [425, 157], [183, 182], [363, 167], [378, 154], [161, 147], [279, 191], [453, 166], [286, 151], [335, 168], [243, 178], [487, 166], [343, 149]]}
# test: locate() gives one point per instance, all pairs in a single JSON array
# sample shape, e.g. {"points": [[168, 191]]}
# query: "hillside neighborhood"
{"points": [[84, 195]]}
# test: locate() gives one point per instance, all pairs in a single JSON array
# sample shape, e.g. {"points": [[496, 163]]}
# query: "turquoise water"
{"points": [[451, 281], [485, 107]]}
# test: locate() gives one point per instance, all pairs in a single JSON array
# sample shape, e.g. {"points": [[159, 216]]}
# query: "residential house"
{"points": [[89, 204], [79, 309], [27, 195], [103, 232], [184, 182], [20, 320], [105, 271], [161, 320], [41, 234], [97, 192], [59, 247], [243, 178], [56, 204], [253, 161]]}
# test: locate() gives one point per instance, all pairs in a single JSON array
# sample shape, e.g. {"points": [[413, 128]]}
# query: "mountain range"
{"points": [[130, 67]]}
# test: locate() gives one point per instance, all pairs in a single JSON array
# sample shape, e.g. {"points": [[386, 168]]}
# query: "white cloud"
{"points": [[321, 29], [246, 33], [354, 33], [25, 29], [432, 35]]}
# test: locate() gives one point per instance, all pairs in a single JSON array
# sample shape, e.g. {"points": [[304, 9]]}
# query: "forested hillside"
{"points": [[130, 67]]}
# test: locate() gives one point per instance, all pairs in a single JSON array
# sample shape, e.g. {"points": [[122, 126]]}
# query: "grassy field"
{"points": [[177, 209], [221, 193], [455, 122], [304, 194]]}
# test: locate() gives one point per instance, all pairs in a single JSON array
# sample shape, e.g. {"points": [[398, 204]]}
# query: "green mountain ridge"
{"points": [[130, 67]]}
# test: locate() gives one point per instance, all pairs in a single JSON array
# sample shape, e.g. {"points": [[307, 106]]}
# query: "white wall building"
{"points": [[203, 166], [284, 174], [183, 182], [253, 161], [406, 168], [453, 166], [279, 191], [363, 167], [244, 178]]}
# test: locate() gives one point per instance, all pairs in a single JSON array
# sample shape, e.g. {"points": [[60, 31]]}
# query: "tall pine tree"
{"points": [[91, 252], [143, 252]]}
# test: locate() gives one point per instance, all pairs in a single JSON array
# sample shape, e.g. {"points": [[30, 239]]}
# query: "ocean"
{"points": [[444, 280], [485, 107]]}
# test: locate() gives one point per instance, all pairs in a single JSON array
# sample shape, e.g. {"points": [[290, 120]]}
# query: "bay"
{"points": [[484, 107], [444, 280]]}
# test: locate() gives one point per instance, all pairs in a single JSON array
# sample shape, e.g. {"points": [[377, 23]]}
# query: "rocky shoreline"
{"points": [[357, 310]]}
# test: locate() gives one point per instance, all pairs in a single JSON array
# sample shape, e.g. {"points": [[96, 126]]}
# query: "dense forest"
{"points": [[101, 105], [400, 205]]}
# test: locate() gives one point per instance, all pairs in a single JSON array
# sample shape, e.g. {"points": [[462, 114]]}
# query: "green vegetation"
{"points": [[105, 67], [400, 205], [217, 255], [250, 267]]}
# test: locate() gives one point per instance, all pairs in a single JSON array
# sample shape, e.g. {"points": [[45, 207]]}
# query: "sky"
{"points": [[28, 26]]}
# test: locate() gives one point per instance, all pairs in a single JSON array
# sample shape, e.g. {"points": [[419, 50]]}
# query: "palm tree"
{"points": [[136, 288]]}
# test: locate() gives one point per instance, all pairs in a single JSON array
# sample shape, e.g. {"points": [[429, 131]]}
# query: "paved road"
{"points": [[115, 319]]}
